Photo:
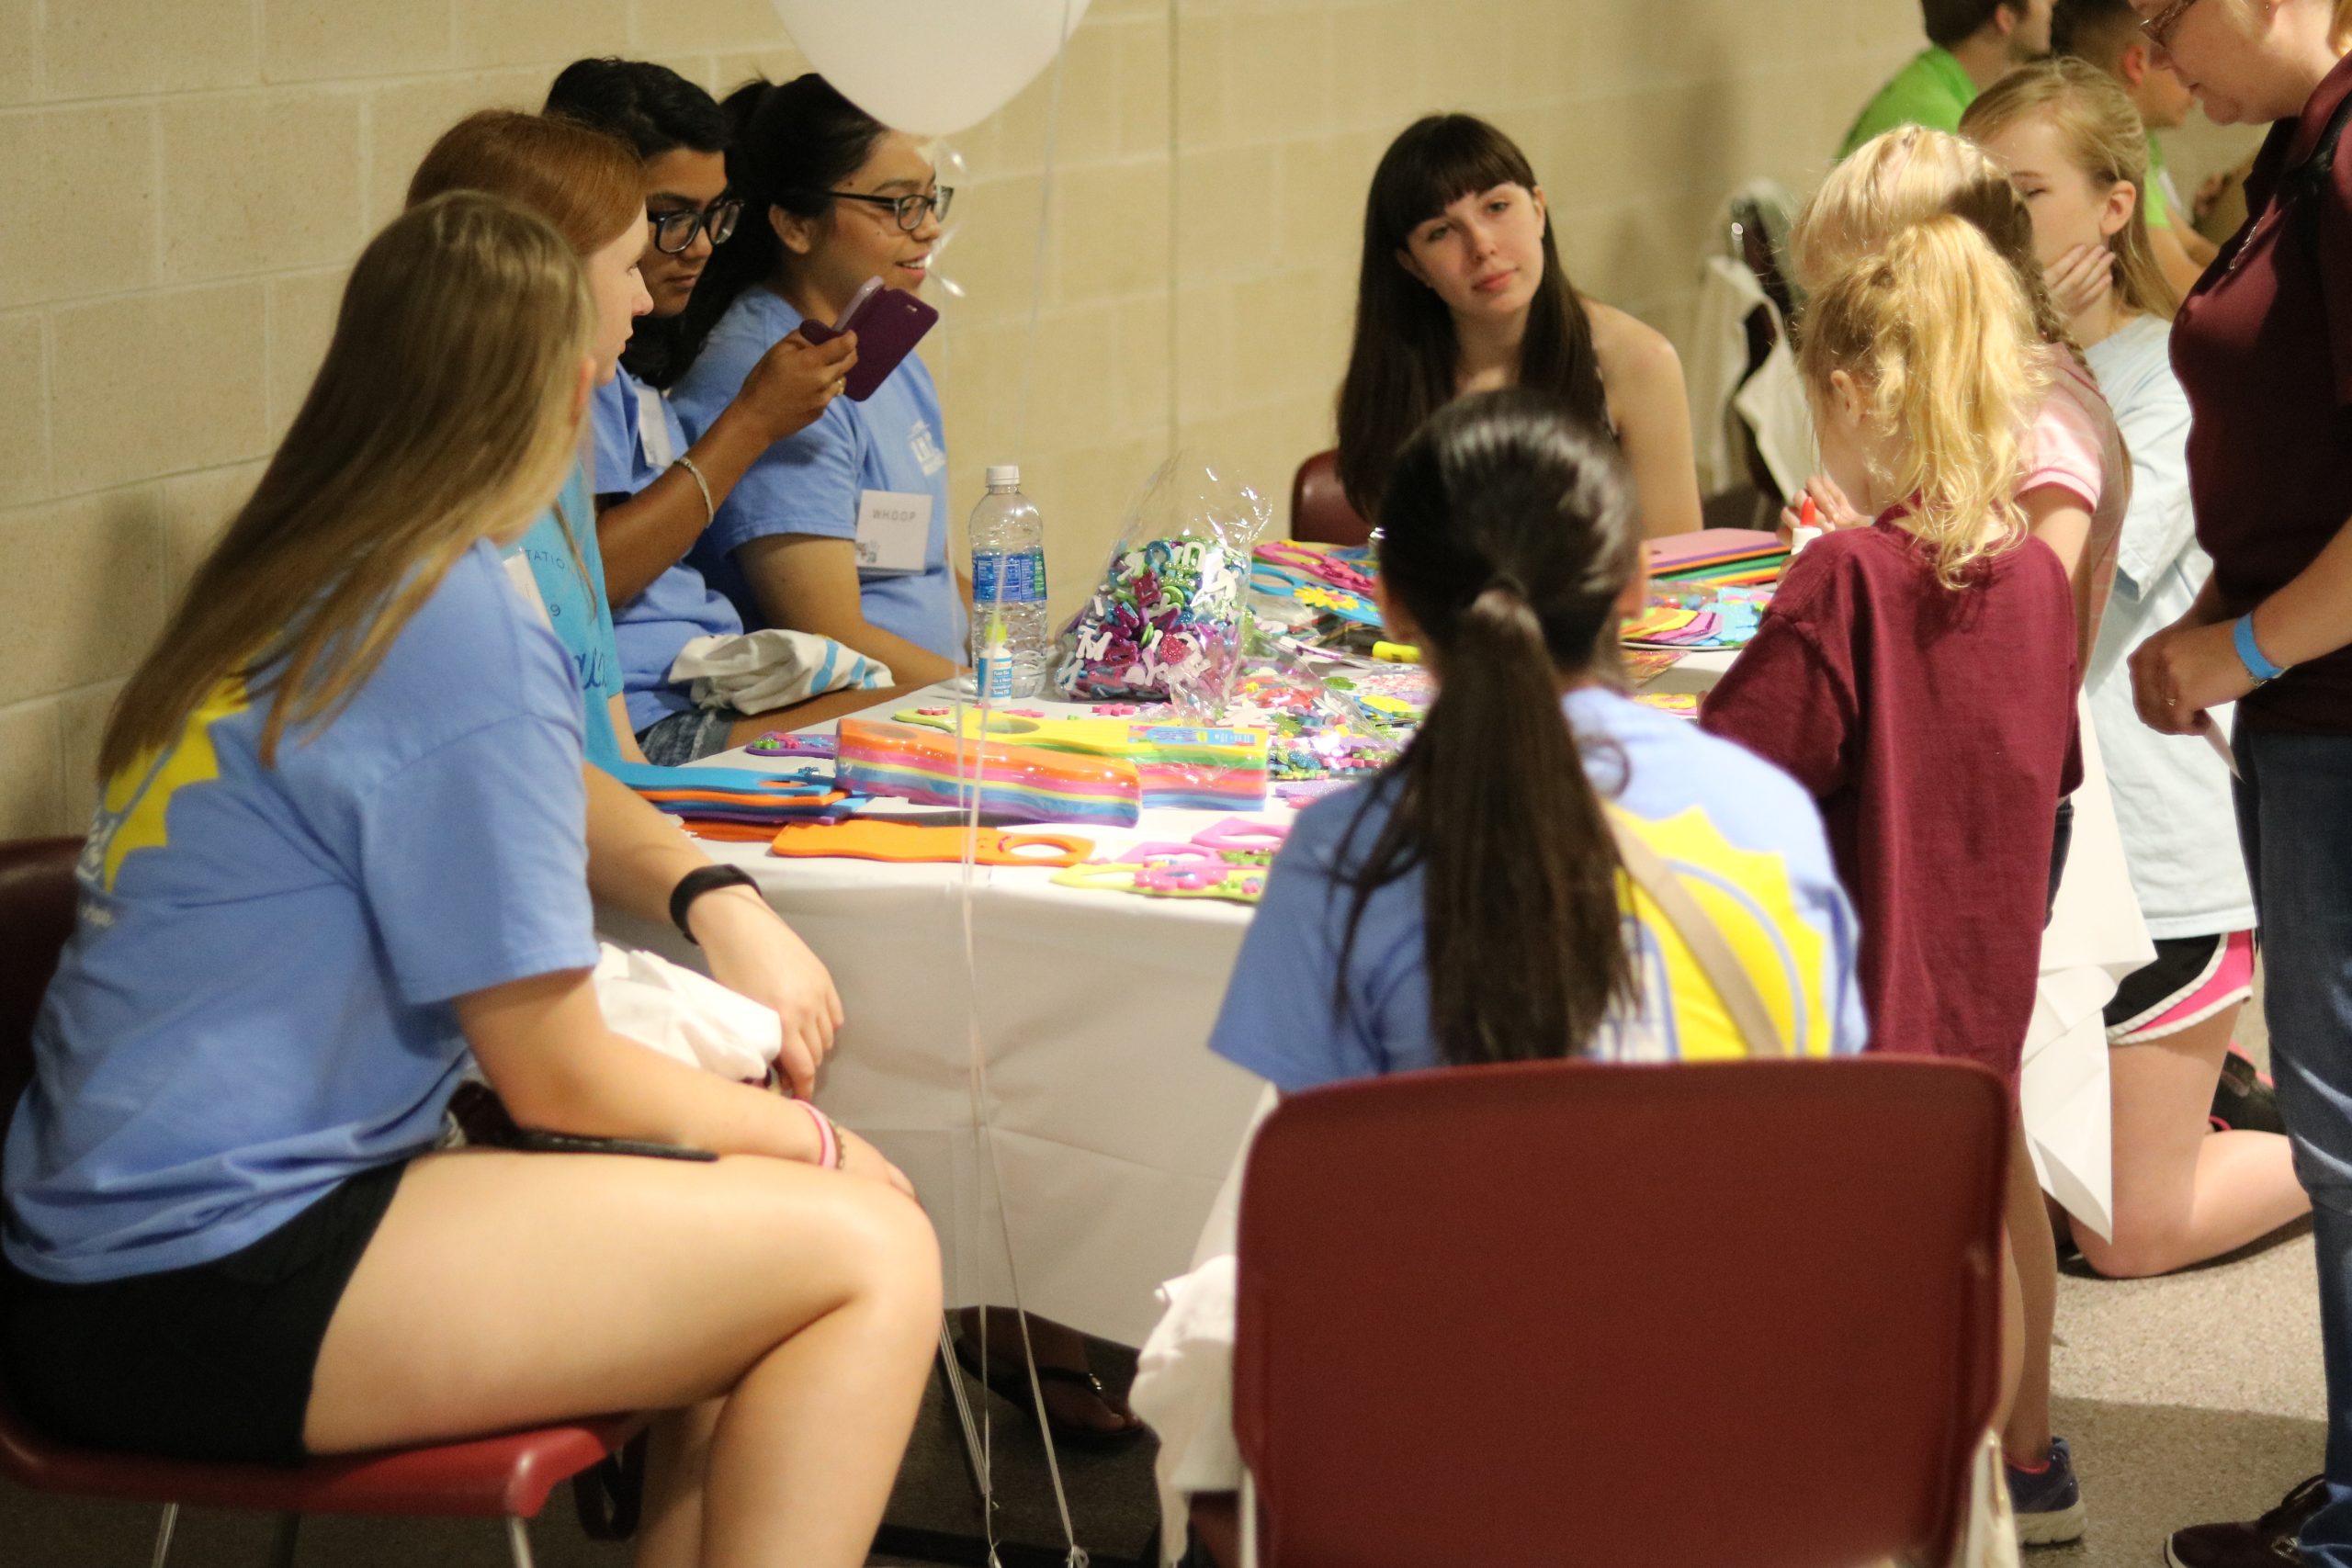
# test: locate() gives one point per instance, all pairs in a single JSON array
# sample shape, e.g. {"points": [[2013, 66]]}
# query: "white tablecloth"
{"points": [[1114, 1124]]}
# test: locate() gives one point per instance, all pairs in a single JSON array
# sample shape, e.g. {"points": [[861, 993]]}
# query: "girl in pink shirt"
{"points": [[2078, 481]]}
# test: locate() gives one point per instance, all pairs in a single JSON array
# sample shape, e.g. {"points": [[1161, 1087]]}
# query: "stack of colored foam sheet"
{"points": [[1016, 783], [1718, 557], [1200, 767], [737, 803]]}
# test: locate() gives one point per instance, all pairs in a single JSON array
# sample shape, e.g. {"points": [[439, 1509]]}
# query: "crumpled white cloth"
{"points": [[760, 670], [688, 1016]]}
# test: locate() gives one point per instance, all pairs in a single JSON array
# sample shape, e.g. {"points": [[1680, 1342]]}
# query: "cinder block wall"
{"points": [[187, 180]]}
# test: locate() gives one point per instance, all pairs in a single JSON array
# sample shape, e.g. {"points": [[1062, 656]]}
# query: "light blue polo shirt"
{"points": [[255, 1003], [637, 438], [810, 483]]}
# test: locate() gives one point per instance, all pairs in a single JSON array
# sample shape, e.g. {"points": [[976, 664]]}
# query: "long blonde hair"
{"points": [[442, 415], [1937, 334], [2105, 138], [1905, 177]]}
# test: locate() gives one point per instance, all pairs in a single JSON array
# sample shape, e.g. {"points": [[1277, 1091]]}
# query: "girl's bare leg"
{"points": [[507, 1290], [2030, 1311], [2184, 1193]]}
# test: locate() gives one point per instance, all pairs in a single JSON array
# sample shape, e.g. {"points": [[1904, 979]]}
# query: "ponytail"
{"points": [[1906, 176], [1507, 536], [1938, 335], [788, 148]]}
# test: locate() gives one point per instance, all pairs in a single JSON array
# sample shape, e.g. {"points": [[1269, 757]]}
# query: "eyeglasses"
{"points": [[910, 211], [674, 232], [2161, 27]]}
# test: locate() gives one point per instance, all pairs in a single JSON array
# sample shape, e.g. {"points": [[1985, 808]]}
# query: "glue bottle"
{"points": [[1009, 581], [992, 671]]}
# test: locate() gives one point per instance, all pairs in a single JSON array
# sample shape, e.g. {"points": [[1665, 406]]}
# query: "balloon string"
{"points": [[977, 1039]]}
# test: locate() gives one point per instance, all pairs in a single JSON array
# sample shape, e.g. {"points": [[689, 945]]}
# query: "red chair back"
{"points": [[36, 917], [1320, 512], [1744, 1313]]}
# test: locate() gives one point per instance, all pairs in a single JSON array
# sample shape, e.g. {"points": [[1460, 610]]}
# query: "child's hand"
{"points": [[753, 953], [1830, 508], [796, 380], [2081, 280]]}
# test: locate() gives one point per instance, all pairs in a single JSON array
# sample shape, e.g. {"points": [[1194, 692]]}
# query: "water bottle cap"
{"points": [[1002, 475]]}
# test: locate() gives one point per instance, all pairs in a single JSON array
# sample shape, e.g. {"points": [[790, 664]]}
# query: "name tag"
{"points": [[653, 429], [893, 530], [518, 573]]}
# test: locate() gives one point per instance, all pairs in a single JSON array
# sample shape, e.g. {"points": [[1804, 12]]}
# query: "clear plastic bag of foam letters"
{"points": [[1165, 621]]}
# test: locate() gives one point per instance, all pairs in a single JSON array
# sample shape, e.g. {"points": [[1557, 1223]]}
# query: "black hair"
{"points": [[2096, 30], [655, 110], [787, 148], [649, 107], [1955, 21], [1402, 366], [1508, 533]]}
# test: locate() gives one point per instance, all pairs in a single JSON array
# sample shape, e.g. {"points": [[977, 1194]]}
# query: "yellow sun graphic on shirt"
{"points": [[1749, 896], [133, 814]]}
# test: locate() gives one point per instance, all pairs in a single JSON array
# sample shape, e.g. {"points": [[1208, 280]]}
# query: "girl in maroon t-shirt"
{"points": [[1918, 676]]}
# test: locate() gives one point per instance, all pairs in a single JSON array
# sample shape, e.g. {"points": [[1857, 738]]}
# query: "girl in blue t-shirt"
{"points": [[1465, 907], [339, 859], [655, 491], [841, 529]]}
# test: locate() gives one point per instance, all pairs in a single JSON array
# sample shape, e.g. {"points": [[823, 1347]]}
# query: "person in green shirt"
{"points": [[1971, 45], [2107, 34]]}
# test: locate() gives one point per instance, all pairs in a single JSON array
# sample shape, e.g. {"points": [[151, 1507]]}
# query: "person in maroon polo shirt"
{"points": [[2264, 350]]}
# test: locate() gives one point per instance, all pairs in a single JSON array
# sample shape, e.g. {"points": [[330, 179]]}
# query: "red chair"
{"points": [[1742, 1313], [504, 1477], [1320, 512]]}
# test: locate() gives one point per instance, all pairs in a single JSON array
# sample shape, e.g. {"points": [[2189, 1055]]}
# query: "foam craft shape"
{"points": [[1234, 885], [929, 67], [643, 777], [1026, 783], [914, 843], [1187, 767]]}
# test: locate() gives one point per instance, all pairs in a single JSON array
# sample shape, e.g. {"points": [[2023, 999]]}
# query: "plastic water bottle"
{"points": [[1009, 583]]}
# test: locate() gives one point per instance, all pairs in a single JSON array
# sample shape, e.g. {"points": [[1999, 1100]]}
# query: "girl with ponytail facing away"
{"points": [[1467, 906], [1918, 676]]}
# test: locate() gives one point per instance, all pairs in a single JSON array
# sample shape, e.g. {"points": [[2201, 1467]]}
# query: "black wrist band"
{"points": [[696, 883]]}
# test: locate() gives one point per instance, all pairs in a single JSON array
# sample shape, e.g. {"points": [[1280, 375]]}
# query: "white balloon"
{"points": [[930, 66]]}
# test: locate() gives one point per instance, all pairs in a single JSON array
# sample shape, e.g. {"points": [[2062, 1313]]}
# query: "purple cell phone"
{"points": [[889, 324]]}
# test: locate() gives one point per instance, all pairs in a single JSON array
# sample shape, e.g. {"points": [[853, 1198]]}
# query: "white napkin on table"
{"points": [[761, 670]]}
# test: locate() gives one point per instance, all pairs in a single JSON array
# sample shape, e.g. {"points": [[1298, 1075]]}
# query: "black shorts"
{"points": [[213, 1361]]}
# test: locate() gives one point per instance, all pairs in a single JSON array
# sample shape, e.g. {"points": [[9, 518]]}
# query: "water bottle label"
{"points": [[992, 678], [1023, 573]]}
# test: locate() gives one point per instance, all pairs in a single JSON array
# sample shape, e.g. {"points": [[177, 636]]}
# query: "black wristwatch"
{"points": [[696, 883]]}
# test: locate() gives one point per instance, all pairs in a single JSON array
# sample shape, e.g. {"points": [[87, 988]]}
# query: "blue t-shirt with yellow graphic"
{"points": [[1743, 837], [256, 1002]]}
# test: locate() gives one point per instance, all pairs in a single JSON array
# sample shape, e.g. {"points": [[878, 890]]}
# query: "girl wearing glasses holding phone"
{"points": [[2263, 347], [839, 529], [655, 493]]}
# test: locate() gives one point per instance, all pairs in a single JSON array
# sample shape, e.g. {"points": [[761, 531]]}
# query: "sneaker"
{"points": [[2245, 1101], [2268, 1543], [2048, 1504]]}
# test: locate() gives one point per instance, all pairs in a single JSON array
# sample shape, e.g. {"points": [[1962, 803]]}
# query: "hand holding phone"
{"points": [[889, 324]]}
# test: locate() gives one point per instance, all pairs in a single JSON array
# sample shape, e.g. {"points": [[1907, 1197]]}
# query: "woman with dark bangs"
{"points": [[1462, 290]]}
